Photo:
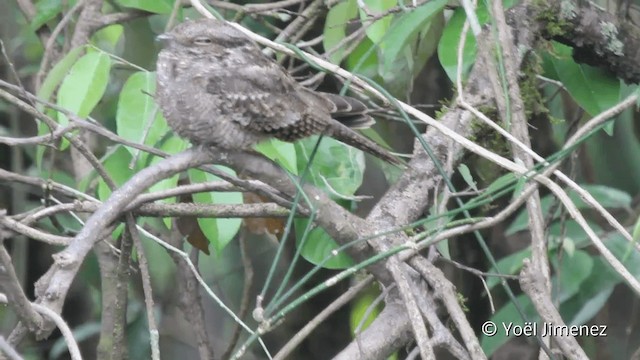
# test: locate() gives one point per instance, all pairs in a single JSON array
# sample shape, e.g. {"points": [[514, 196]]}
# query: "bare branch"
{"points": [[15, 295]]}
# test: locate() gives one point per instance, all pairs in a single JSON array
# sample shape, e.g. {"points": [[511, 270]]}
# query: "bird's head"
{"points": [[207, 38]]}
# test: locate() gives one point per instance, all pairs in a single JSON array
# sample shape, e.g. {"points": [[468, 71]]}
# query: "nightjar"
{"points": [[215, 87]]}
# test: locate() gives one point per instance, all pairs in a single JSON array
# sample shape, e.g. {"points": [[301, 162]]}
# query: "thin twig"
{"points": [[17, 298], [336, 305], [32, 233]]}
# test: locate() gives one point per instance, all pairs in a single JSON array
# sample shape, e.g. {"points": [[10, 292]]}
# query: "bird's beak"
{"points": [[164, 38]]}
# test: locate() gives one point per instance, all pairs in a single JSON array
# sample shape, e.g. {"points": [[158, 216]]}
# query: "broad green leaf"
{"points": [[337, 168], [364, 59], [559, 234], [508, 265], [160, 265], [405, 50], [379, 28], [116, 163], [593, 294], [171, 182], [625, 251], [218, 231], [574, 271], [172, 145], [361, 307], [49, 86], [592, 88], [317, 247], [84, 86], [283, 153], [607, 197], [560, 231], [636, 230], [586, 284], [46, 10], [138, 118], [405, 32], [108, 37], [57, 74], [505, 181], [335, 27], [154, 6], [590, 306], [450, 40]]}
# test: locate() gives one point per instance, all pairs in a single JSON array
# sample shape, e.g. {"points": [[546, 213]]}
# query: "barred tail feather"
{"points": [[348, 136]]}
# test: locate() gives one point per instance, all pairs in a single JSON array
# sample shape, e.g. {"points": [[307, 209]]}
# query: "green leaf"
{"points": [[588, 306], [218, 231], [636, 230], [573, 271], [45, 10], [49, 86], [607, 197], [508, 265], [408, 44], [317, 247], [108, 37], [283, 153], [592, 88], [364, 59], [585, 285], [57, 74], [593, 294], [160, 265], [335, 27], [405, 32], [625, 251], [84, 86], [361, 307], [560, 232], [379, 28], [466, 175], [116, 163], [154, 6], [172, 145], [336, 168], [450, 40], [138, 118], [501, 183], [171, 182]]}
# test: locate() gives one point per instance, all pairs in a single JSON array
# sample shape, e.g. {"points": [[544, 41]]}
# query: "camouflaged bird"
{"points": [[215, 87]]}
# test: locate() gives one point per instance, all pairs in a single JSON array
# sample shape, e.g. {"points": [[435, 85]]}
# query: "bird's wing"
{"points": [[347, 110], [262, 98]]}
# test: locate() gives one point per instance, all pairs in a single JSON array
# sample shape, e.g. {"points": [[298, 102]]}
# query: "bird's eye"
{"points": [[202, 40]]}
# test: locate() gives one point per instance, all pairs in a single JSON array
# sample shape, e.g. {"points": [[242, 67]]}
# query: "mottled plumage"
{"points": [[215, 87]]}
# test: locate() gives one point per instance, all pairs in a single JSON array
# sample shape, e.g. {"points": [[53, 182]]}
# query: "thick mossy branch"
{"points": [[597, 36]]}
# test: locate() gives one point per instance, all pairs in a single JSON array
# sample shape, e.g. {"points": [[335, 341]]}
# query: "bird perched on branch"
{"points": [[215, 87]]}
